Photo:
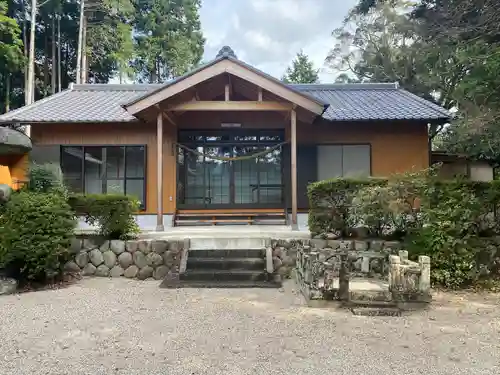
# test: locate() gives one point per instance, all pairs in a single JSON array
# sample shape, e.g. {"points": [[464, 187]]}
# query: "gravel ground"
{"points": [[119, 326]]}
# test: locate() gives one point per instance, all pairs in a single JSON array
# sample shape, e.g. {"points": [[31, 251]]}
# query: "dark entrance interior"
{"points": [[206, 182]]}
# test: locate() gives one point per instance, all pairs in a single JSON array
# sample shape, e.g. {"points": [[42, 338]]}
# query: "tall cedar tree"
{"points": [[301, 71]]}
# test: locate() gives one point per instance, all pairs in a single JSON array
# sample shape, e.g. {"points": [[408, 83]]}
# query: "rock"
{"points": [[360, 245], [116, 271], [277, 263], [109, 259], [89, 269], [76, 246], [131, 271], [279, 252], [89, 244], [318, 244], [154, 260], [145, 272], [7, 285], [376, 245], [102, 271], [175, 246], [139, 259], [117, 246], [71, 267], [392, 245], [360, 232], [333, 235], [144, 246], [159, 246], [125, 259], [82, 258], [169, 258], [96, 257], [161, 272], [288, 261], [334, 244], [131, 246], [104, 247], [346, 245], [5, 192]]}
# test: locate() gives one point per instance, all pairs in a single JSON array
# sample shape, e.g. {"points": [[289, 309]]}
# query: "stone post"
{"points": [[344, 277], [424, 284], [394, 273], [403, 255]]}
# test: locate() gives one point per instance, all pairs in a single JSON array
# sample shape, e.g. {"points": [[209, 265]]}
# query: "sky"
{"points": [[268, 33]]}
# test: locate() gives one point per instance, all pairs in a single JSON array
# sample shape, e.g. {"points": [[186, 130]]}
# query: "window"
{"points": [[108, 170], [343, 161]]}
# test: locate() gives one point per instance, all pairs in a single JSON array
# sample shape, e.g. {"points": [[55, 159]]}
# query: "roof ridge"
{"points": [[116, 86], [345, 86], [36, 104]]}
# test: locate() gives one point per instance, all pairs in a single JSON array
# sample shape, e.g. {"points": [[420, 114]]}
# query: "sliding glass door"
{"points": [[230, 169]]}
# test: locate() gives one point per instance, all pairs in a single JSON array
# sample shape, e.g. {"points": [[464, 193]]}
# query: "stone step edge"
{"points": [[218, 284]]}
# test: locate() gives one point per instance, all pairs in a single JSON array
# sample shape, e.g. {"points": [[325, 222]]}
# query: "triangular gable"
{"points": [[232, 66]]}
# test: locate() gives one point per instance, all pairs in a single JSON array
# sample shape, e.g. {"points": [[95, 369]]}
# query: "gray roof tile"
{"points": [[347, 102]]}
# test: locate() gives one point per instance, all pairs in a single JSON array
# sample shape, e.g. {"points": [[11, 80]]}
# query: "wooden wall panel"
{"points": [[248, 120], [141, 133], [395, 146]]}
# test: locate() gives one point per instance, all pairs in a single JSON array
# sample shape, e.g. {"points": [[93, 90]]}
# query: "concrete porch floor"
{"points": [[228, 231]]}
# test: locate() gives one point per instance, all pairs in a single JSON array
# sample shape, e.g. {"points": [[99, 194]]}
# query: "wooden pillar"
{"points": [[293, 147], [159, 172]]}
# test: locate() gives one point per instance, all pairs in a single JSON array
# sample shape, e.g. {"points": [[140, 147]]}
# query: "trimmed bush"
{"points": [[35, 233], [44, 178], [331, 201], [113, 214]]}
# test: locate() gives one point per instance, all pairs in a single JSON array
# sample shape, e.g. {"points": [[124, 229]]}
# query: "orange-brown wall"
{"points": [[140, 133], [395, 147], [18, 168]]}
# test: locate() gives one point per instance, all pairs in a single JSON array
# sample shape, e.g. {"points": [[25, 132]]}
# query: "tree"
{"points": [[11, 51], [301, 71], [168, 38], [385, 45]]}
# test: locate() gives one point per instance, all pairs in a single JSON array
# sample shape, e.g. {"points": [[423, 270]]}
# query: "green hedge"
{"points": [[35, 233], [330, 202], [113, 214], [454, 222]]}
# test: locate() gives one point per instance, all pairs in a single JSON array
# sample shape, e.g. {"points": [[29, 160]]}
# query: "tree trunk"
{"points": [[25, 48], [7, 92], [79, 46], [46, 57], [31, 59], [59, 82], [54, 62], [84, 51]]}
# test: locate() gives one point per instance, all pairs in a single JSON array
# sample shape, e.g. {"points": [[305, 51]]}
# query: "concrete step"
{"points": [[227, 253], [219, 284], [213, 243], [223, 275], [226, 263], [376, 311]]}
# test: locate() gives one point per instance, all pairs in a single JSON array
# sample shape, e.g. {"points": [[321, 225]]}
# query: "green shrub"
{"points": [[330, 202], [44, 178], [35, 233], [113, 214]]}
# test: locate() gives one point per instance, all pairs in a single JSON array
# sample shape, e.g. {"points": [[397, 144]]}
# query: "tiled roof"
{"points": [[81, 103], [346, 102], [372, 101]]}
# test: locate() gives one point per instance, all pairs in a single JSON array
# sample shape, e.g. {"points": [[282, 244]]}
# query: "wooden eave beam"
{"points": [[167, 116], [232, 106]]}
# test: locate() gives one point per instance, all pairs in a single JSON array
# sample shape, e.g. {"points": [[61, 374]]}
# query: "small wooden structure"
{"points": [[14, 148]]}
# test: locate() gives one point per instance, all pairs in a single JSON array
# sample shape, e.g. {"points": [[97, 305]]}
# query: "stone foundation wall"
{"points": [[135, 259], [365, 255]]}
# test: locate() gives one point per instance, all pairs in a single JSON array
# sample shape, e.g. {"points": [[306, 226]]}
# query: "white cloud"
{"points": [[268, 33]]}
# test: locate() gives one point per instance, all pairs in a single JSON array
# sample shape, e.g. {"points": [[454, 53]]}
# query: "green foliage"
{"points": [[168, 37], [46, 178], [301, 71], [113, 214], [454, 222], [35, 233], [331, 201]]}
